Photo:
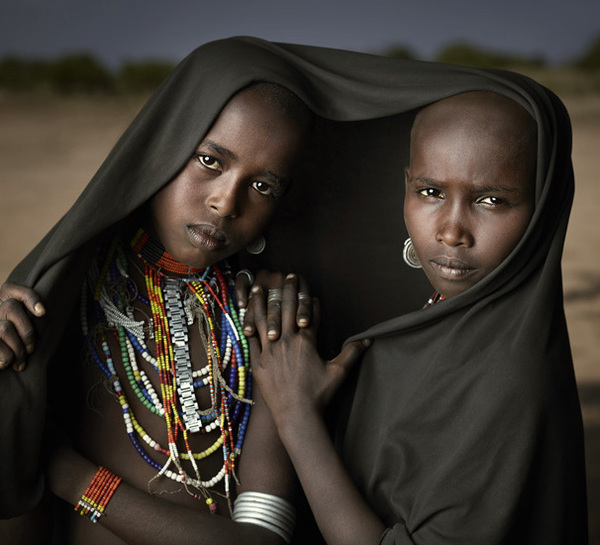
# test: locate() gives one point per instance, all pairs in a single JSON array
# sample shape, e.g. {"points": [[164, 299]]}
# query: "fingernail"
{"points": [[241, 303], [30, 348], [272, 334], [290, 276], [20, 366], [39, 309], [302, 322], [248, 331]]}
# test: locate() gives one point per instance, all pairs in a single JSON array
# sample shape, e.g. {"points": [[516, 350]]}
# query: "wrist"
{"points": [[69, 474], [296, 422]]}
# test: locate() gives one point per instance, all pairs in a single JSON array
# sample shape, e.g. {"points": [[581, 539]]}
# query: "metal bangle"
{"points": [[266, 510], [265, 524]]}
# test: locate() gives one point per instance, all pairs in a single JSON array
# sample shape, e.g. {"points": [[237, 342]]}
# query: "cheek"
{"points": [[505, 235], [415, 218], [160, 211], [258, 217]]}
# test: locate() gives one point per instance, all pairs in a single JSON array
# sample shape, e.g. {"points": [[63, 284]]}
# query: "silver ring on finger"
{"points": [[275, 295], [304, 297], [248, 275]]}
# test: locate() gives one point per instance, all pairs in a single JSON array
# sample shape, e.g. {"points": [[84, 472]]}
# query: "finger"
{"points": [[13, 312], [257, 305], [248, 327], [274, 306], [31, 300], [261, 280], [243, 281], [304, 313], [7, 356], [289, 307], [12, 349]]}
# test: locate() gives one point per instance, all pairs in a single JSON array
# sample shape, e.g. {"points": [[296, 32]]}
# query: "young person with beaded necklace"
{"points": [[163, 332]]}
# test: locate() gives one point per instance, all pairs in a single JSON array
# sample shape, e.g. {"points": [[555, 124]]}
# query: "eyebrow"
{"points": [[219, 149], [272, 177], [480, 189]]}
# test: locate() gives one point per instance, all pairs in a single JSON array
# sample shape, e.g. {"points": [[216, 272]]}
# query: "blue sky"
{"points": [[118, 30]]}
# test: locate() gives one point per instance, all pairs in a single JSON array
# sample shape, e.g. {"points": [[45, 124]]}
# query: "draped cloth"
{"points": [[462, 423]]}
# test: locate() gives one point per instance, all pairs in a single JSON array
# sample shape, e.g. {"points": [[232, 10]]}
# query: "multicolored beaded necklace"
{"points": [[175, 303]]}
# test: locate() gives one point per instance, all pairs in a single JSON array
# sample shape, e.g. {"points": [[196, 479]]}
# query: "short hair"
{"points": [[284, 100]]}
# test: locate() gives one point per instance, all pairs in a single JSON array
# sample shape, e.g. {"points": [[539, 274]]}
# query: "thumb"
{"points": [[12, 290], [349, 355]]}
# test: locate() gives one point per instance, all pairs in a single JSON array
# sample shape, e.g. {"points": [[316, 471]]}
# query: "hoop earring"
{"points": [[257, 246], [409, 254]]}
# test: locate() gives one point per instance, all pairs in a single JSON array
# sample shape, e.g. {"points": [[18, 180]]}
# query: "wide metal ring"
{"points": [[275, 295], [304, 297], [248, 275]]}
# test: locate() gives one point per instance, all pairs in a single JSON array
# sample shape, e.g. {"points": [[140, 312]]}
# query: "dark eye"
{"points": [[264, 188], [494, 201], [430, 192], [208, 161]]}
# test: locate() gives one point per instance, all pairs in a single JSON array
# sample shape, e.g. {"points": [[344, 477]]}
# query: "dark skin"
{"points": [[297, 384], [17, 335], [219, 203], [469, 187], [454, 213]]}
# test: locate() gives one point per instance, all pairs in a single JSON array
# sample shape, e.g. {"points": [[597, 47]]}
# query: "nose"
{"points": [[224, 198], [454, 228]]}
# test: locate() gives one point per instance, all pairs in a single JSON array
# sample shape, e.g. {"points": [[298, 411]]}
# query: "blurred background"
{"points": [[73, 73]]}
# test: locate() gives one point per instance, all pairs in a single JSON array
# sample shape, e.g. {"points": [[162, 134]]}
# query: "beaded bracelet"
{"points": [[97, 495], [266, 510]]}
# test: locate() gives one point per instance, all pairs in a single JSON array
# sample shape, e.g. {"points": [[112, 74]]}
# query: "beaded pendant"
{"points": [[175, 303]]}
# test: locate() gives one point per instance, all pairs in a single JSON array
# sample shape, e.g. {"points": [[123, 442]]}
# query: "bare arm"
{"points": [[142, 519], [134, 515], [297, 384]]}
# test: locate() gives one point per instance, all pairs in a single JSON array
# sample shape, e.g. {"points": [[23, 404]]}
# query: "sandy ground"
{"points": [[49, 150]]}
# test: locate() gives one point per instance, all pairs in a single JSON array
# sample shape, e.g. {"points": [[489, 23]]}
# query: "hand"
{"points": [[271, 281], [17, 336], [289, 371]]}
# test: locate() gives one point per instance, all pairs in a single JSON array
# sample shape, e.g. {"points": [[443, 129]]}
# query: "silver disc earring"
{"points": [[257, 246], [409, 254]]}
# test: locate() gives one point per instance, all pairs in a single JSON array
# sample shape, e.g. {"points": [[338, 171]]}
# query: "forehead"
{"points": [[484, 114], [476, 131], [266, 105], [250, 128]]}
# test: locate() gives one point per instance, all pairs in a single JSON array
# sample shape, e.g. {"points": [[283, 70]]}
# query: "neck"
{"points": [[153, 253]]}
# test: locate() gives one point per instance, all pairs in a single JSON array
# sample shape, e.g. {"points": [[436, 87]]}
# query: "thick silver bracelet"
{"points": [[266, 510]]}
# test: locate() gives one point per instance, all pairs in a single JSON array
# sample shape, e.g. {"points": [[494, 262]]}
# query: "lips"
{"points": [[452, 268], [207, 236]]}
